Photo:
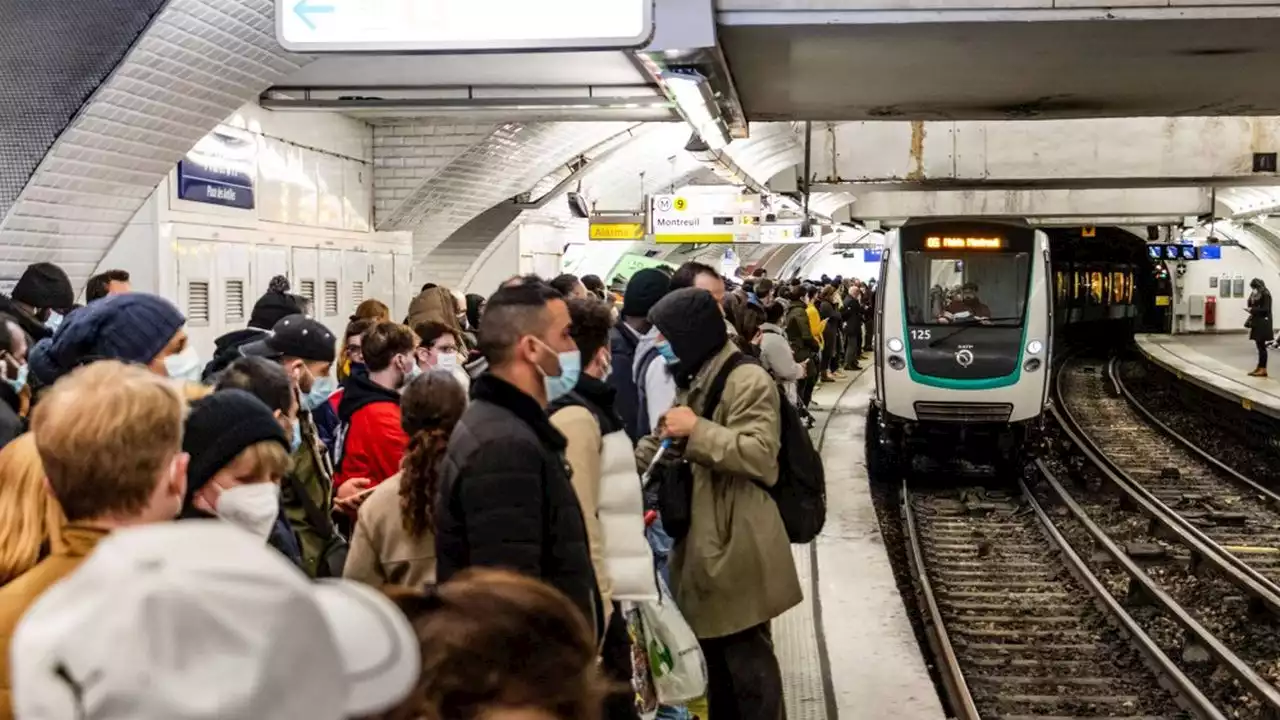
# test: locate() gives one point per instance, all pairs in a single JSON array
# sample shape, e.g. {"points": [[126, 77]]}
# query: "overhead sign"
{"points": [[935, 242], [617, 227], [461, 25], [220, 169], [705, 218], [784, 235], [872, 255]]}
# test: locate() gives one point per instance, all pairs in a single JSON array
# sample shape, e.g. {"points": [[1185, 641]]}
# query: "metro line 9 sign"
{"points": [[462, 25]]}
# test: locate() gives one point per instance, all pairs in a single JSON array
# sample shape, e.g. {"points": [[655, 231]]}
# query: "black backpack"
{"points": [[801, 490]]}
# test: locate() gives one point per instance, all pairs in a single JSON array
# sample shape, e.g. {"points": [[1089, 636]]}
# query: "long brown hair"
{"points": [[30, 518], [496, 639], [429, 409]]}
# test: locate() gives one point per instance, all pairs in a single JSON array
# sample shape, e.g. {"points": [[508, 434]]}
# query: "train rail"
{"points": [[1208, 516], [1021, 627], [1225, 519]]}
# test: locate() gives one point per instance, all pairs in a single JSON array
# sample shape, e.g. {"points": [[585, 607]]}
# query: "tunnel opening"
{"points": [[1105, 286]]}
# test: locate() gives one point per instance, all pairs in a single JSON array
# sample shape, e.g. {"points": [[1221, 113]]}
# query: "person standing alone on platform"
{"points": [[1259, 323]]}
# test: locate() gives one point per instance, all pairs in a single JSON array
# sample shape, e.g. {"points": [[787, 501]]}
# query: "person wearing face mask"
{"points": [[370, 440], [268, 381], [107, 470], [40, 293], [505, 496], [14, 396], [605, 480], [440, 348], [135, 328], [239, 453], [305, 348]]}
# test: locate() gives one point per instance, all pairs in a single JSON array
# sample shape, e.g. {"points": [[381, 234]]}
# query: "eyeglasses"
{"points": [[353, 349]]}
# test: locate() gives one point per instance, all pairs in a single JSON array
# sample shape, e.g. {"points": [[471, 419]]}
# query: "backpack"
{"points": [[643, 424], [800, 492]]}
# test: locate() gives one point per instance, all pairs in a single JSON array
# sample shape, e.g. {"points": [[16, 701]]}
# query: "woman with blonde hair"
{"points": [[30, 518]]}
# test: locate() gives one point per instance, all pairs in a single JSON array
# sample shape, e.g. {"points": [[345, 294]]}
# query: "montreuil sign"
{"points": [[617, 227]]}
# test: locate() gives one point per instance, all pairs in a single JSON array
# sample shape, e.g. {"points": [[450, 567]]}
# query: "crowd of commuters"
{"points": [[442, 518]]}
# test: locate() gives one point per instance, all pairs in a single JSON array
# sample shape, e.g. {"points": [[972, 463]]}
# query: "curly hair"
{"points": [[429, 409]]}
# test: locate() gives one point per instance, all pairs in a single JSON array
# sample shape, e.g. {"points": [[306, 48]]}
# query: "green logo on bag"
{"points": [[660, 661]]}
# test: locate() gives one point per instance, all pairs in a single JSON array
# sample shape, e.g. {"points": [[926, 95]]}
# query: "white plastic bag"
{"points": [[679, 670]]}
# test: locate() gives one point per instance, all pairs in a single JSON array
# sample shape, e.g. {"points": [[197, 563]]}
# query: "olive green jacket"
{"points": [[734, 569], [313, 470]]}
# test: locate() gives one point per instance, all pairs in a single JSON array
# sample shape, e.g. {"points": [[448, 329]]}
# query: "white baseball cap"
{"points": [[199, 619]]}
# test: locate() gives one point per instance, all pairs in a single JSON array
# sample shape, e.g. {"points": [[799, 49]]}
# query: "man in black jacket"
{"points": [[505, 497]]}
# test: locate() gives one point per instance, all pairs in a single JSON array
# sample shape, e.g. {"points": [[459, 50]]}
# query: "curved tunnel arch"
{"points": [[192, 67]]}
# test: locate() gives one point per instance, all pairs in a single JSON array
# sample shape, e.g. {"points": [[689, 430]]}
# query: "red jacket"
{"points": [[370, 440]]}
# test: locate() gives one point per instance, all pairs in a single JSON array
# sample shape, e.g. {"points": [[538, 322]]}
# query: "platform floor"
{"points": [[873, 667], [1218, 363]]}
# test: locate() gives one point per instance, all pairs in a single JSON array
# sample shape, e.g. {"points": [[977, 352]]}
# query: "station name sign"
{"points": [[705, 218], [462, 25], [936, 242]]}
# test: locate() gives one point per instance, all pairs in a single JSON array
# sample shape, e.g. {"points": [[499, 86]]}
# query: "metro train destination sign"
{"points": [[462, 25]]}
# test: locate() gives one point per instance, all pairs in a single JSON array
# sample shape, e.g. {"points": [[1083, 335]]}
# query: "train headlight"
{"points": [[1031, 365], [1034, 347], [894, 345], [896, 362]]}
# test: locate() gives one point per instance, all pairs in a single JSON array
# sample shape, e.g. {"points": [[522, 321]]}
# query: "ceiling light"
{"points": [[692, 94]]}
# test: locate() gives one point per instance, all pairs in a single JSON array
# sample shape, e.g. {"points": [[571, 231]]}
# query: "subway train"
{"points": [[1100, 282], [964, 340]]}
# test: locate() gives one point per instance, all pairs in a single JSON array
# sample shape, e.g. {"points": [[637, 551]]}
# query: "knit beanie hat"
{"points": [[644, 290], [133, 328], [219, 427], [271, 308], [44, 285], [691, 322]]}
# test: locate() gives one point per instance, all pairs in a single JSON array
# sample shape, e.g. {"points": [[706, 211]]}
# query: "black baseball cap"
{"points": [[295, 336]]}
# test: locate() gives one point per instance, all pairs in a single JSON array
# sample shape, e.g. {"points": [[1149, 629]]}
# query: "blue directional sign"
{"points": [[462, 25]]}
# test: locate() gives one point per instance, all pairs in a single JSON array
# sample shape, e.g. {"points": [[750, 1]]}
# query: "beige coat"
{"points": [[382, 551], [582, 433], [436, 304], [734, 569]]}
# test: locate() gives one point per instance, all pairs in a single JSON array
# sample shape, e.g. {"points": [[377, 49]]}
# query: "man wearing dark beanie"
{"points": [[732, 573], [41, 292], [628, 341]]}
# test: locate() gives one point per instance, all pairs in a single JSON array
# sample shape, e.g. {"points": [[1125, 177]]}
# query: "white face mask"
{"points": [[185, 365], [253, 507], [446, 360]]}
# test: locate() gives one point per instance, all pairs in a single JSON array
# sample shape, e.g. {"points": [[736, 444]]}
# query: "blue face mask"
{"points": [[664, 349], [296, 441], [19, 382], [55, 319], [570, 369], [321, 389]]}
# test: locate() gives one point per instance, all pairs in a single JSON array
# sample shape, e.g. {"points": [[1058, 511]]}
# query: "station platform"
{"points": [[1219, 363], [849, 650]]}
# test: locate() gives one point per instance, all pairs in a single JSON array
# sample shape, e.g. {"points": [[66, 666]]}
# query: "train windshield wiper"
{"points": [[988, 323]]}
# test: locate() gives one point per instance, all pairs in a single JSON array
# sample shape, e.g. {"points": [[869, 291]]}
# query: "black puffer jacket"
{"points": [[506, 500]]}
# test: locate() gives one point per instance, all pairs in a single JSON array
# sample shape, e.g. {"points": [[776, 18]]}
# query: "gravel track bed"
{"points": [[1029, 638], [1216, 504]]}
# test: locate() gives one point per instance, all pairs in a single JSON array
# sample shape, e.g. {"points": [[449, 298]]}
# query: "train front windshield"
{"points": [[946, 287]]}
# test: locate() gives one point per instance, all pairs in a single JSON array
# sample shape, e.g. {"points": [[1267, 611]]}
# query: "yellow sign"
{"points": [[680, 204], [935, 242], [617, 231], [1246, 404], [1088, 231], [1163, 300], [693, 239]]}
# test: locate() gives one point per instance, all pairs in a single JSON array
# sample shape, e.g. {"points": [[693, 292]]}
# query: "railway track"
{"points": [[1021, 628], [1234, 518]]}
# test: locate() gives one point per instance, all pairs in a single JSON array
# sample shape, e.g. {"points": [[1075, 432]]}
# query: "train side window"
{"points": [[1095, 288]]}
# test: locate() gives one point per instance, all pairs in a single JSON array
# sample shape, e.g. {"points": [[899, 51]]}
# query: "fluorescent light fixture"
{"points": [[692, 94]]}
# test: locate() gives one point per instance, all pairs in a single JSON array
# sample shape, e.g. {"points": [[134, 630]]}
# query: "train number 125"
{"points": [[921, 334]]}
